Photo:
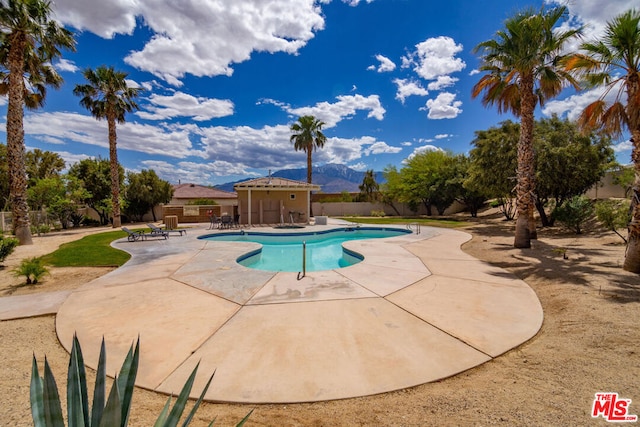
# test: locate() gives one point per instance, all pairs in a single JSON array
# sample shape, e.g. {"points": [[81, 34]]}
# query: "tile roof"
{"points": [[194, 191], [276, 183]]}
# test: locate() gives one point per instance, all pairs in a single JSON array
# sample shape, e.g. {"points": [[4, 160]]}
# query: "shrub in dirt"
{"points": [[574, 213], [614, 215], [106, 410], [32, 268], [7, 246]]}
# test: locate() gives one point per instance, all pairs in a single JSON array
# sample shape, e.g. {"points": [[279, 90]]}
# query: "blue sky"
{"points": [[224, 80]]}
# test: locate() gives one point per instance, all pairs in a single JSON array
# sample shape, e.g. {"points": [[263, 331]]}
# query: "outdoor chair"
{"points": [[134, 236], [226, 222], [157, 230], [215, 222]]}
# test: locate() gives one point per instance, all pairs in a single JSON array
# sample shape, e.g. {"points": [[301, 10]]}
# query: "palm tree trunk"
{"points": [[309, 171], [15, 143], [632, 256], [525, 173], [115, 173]]}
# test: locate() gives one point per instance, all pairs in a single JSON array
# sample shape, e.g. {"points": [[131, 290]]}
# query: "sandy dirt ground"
{"points": [[589, 342]]}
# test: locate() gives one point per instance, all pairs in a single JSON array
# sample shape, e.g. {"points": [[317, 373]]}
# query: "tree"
{"points": [[568, 162], [369, 189], [144, 191], [4, 178], [614, 63], [391, 189], [107, 96], [29, 41], [307, 136], [493, 164], [43, 164], [522, 70], [95, 175], [428, 177]]}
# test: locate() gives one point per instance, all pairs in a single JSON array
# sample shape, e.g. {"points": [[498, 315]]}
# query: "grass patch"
{"points": [[433, 222], [93, 250]]}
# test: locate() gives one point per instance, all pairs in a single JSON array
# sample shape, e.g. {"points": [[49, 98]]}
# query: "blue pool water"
{"points": [[283, 251]]}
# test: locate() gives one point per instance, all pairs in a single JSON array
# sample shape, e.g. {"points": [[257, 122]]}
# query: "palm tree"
{"points": [[522, 69], [308, 137], [29, 41], [108, 96], [614, 62]]}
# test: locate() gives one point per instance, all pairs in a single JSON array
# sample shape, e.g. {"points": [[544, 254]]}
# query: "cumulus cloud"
{"points": [[386, 65], [442, 82], [346, 107], [353, 2], [444, 106], [623, 146], [200, 38], [182, 104], [66, 65], [435, 57], [407, 88], [573, 105]]}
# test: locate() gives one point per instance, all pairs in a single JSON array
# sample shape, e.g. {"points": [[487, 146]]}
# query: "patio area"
{"points": [[416, 310]]}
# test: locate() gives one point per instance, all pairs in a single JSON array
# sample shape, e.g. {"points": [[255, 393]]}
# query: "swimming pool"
{"points": [[324, 251]]}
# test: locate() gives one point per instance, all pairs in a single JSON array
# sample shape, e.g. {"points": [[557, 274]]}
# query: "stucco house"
{"points": [[272, 200]]}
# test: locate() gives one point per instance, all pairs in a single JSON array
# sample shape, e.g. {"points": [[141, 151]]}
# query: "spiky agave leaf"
{"points": [[187, 421], [99, 390], [127, 379], [77, 400], [36, 396], [51, 399], [178, 407], [112, 414]]}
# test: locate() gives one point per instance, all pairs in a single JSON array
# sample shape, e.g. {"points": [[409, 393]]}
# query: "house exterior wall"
{"points": [[272, 206], [197, 213]]}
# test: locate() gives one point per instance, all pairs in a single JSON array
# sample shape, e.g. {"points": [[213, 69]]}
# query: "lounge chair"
{"points": [[157, 230], [134, 236]]}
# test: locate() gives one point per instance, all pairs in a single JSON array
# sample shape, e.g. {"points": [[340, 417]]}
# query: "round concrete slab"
{"points": [[417, 309]]}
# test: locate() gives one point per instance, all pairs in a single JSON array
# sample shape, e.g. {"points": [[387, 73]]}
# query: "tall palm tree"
{"points": [[308, 137], [107, 96], [522, 69], [614, 62], [29, 41]]}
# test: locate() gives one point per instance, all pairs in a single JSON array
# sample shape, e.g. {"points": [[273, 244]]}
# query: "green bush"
{"points": [[378, 214], [32, 268], [7, 246], [574, 213], [40, 229], [614, 215], [112, 410]]}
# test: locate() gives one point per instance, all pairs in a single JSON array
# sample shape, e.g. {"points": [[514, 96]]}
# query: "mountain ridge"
{"points": [[332, 178]]}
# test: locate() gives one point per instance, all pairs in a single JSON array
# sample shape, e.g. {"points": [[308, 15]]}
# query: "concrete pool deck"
{"points": [[416, 310]]}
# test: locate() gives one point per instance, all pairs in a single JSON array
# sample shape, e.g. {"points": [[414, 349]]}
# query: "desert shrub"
{"points": [[377, 213], [90, 222], [614, 215], [202, 202], [112, 410], [40, 229], [32, 268], [7, 246], [574, 213]]}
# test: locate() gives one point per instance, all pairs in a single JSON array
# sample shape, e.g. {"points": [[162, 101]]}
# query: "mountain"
{"points": [[332, 178]]}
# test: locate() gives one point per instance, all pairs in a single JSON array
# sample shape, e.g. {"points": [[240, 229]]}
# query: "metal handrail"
{"points": [[412, 224], [304, 261]]}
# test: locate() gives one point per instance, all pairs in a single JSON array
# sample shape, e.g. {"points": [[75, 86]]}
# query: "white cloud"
{"points": [[623, 146], [66, 65], [443, 136], [442, 82], [386, 65], [435, 57], [407, 88], [443, 107], [182, 104], [352, 2], [85, 129], [200, 38], [380, 147], [346, 107], [573, 105]]}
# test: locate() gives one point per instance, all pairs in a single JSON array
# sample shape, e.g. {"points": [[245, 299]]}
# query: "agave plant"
{"points": [[46, 409]]}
